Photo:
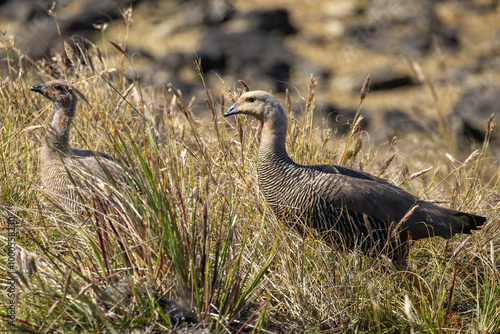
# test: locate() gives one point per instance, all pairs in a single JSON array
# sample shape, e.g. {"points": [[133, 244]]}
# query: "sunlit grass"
{"points": [[191, 227]]}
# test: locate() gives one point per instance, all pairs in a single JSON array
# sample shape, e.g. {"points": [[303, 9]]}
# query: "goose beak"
{"points": [[233, 110], [38, 88]]}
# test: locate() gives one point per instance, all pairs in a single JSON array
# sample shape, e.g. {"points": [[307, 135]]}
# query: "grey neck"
{"points": [[273, 144]]}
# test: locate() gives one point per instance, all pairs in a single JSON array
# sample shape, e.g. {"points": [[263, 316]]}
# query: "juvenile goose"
{"points": [[348, 206], [68, 173]]}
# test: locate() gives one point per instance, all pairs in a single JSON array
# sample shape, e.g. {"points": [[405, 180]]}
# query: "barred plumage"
{"points": [[350, 207], [71, 175]]}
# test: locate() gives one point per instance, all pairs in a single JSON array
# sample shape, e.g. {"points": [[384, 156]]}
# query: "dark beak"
{"points": [[232, 111], [38, 88]]}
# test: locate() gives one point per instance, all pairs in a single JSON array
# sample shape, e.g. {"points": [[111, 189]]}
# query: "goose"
{"points": [[68, 173], [349, 207]]}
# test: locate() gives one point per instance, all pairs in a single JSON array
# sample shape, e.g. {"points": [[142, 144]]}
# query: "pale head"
{"points": [[271, 114], [262, 106]]}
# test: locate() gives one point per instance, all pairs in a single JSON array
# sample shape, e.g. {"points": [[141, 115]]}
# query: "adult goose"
{"points": [[349, 207]]}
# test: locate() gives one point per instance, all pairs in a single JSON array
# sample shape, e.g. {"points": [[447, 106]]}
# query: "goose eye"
{"points": [[250, 99], [59, 87]]}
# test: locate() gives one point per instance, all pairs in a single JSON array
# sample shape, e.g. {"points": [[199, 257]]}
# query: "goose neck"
{"points": [[61, 125], [273, 145]]}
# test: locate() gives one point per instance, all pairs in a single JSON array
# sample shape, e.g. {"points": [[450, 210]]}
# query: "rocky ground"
{"points": [[430, 62]]}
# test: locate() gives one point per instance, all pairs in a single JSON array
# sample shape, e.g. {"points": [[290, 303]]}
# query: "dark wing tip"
{"points": [[470, 222], [476, 221]]}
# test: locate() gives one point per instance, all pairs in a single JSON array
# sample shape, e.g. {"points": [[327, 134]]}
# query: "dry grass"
{"points": [[194, 228]]}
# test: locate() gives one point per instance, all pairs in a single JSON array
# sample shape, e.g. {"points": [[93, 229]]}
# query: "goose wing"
{"points": [[362, 193], [103, 169]]}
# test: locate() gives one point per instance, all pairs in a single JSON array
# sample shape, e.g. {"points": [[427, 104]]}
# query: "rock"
{"points": [[249, 47], [488, 62], [123, 295], [246, 55], [384, 79], [340, 119], [400, 27], [217, 11], [396, 122], [399, 123], [39, 34], [474, 110], [275, 21], [23, 10]]}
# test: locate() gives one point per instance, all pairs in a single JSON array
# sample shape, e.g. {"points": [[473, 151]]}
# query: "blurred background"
{"points": [[434, 65]]}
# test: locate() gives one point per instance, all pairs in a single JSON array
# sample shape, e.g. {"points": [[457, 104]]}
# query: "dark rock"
{"points": [[488, 62], [256, 54], [248, 46], [396, 122], [178, 314], [248, 54], [474, 110], [259, 56], [270, 21], [340, 119], [391, 83], [23, 10], [406, 28], [403, 123], [122, 294], [384, 79], [39, 35]]}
